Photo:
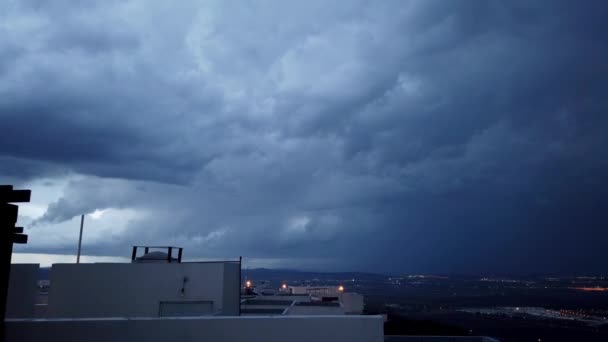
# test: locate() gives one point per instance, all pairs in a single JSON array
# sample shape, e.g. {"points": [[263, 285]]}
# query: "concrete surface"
{"points": [[400, 338], [22, 290], [353, 303], [136, 290], [196, 329], [315, 310]]}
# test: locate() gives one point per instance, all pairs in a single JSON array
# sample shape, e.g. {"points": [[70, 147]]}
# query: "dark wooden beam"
{"points": [[8, 195], [19, 238], [8, 215]]}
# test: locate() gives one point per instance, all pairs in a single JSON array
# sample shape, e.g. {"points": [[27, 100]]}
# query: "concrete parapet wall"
{"points": [[196, 329]]}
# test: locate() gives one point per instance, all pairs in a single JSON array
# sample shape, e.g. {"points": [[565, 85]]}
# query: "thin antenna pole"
{"points": [[240, 282], [80, 239]]}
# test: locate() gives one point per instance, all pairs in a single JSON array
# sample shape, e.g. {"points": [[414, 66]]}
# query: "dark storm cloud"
{"points": [[454, 137]]}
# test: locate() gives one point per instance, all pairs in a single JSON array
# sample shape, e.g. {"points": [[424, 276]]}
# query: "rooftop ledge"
{"points": [[325, 328], [274, 317], [297, 328], [407, 338]]}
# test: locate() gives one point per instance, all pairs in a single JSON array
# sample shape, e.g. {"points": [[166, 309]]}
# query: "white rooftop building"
{"points": [[304, 300], [154, 285], [144, 290], [159, 298]]}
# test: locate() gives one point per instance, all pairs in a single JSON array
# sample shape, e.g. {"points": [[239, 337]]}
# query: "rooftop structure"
{"points": [[159, 298], [144, 289], [186, 301], [319, 300], [156, 256], [196, 329], [151, 286], [316, 291]]}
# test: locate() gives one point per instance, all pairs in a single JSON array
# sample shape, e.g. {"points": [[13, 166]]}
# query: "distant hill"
{"points": [[294, 275], [279, 275]]}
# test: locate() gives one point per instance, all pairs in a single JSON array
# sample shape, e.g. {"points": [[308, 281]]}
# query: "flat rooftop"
{"points": [[267, 302], [328, 304]]}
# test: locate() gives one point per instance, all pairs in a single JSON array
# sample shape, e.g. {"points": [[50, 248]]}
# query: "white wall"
{"points": [[22, 290], [292, 298], [232, 289], [315, 310], [136, 290], [197, 329], [352, 302]]}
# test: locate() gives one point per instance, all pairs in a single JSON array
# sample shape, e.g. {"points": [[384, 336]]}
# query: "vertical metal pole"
{"points": [[240, 267], [80, 239]]}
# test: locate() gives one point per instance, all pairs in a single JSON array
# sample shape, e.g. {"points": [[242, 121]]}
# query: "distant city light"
{"points": [[592, 289], [248, 283], [284, 286], [341, 288]]}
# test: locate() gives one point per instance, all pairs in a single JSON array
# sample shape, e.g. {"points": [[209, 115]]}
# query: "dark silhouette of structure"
{"points": [[157, 255], [9, 234]]}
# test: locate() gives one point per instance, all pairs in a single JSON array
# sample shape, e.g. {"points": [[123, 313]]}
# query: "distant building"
{"points": [[315, 291], [300, 300]]}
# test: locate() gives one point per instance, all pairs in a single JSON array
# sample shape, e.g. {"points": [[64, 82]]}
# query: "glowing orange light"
{"points": [[341, 288], [284, 286], [592, 289], [248, 283]]}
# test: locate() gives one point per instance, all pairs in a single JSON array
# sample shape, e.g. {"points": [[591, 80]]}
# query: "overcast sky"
{"points": [[387, 136]]}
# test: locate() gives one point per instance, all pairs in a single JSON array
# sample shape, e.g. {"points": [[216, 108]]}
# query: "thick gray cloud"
{"points": [[400, 136]]}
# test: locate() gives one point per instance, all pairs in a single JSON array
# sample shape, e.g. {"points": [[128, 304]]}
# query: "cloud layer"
{"points": [[405, 136]]}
